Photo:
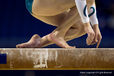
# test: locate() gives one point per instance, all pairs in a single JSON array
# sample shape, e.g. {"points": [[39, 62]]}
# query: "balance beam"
{"points": [[58, 58]]}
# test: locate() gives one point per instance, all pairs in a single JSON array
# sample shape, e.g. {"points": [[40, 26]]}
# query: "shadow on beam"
{"points": [[58, 59]]}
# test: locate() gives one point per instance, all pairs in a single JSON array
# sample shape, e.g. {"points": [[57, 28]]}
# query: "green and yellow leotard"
{"points": [[29, 5]]}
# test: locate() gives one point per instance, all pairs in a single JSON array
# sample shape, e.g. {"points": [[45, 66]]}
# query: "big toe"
{"points": [[18, 46], [21, 45]]}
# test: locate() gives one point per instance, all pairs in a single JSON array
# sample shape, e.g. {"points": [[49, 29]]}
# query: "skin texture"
{"points": [[65, 17]]}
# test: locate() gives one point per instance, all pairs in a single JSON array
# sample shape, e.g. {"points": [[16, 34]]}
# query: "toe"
{"points": [[18, 46], [21, 45]]}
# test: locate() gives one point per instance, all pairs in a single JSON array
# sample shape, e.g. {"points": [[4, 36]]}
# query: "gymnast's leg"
{"points": [[69, 20], [57, 36], [37, 42], [75, 31]]}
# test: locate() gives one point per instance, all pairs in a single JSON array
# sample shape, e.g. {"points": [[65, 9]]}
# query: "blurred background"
{"points": [[17, 25], [43, 73]]}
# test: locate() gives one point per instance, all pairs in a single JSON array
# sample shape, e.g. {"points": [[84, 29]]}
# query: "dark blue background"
{"points": [[17, 25], [3, 59], [55, 73]]}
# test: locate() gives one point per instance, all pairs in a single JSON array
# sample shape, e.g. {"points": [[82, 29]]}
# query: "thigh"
{"points": [[51, 7], [51, 20], [58, 19]]}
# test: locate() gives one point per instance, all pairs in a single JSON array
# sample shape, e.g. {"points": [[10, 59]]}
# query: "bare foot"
{"points": [[58, 40], [34, 42]]}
